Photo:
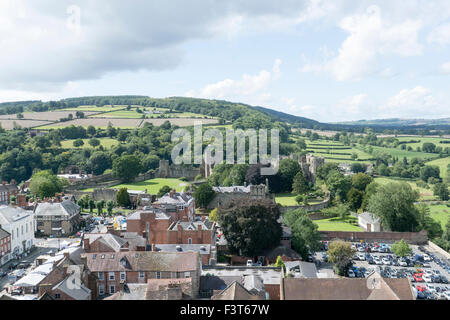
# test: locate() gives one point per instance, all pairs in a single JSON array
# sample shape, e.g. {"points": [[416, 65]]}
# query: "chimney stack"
{"points": [[172, 193]]}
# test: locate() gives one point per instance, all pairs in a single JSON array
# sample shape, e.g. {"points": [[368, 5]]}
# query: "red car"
{"points": [[418, 277], [421, 288]]}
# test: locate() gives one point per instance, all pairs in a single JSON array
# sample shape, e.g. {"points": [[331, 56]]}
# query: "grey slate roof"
{"points": [[109, 239], [65, 208], [200, 248], [10, 214], [75, 290], [185, 225], [143, 261], [178, 198], [4, 234], [233, 189], [159, 214], [8, 187]]}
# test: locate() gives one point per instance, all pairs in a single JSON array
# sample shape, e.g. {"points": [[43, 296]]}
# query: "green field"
{"points": [[414, 145], [105, 142], [408, 154], [425, 194], [95, 108], [152, 185], [442, 164], [334, 224], [440, 213], [334, 151]]}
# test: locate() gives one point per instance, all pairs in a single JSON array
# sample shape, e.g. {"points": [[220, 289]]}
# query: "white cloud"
{"points": [[42, 45], [252, 88], [440, 35], [370, 36], [445, 68]]}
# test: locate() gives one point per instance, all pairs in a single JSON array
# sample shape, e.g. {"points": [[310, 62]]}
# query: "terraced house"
{"points": [[57, 218], [7, 190], [115, 270], [20, 224], [5, 245]]}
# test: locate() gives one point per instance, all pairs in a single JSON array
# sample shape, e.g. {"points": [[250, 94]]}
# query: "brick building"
{"points": [[193, 232], [180, 206], [152, 224], [68, 280], [7, 190], [5, 246], [114, 270]]}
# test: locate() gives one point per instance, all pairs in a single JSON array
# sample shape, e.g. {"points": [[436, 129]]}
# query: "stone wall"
{"points": [[176, 171], [308, 208], [410, 237]]}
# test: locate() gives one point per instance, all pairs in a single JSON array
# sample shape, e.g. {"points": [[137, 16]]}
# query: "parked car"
{"points": [[350, 273], [2, 274], [361, 256], [426, 265], [402, 262], [426, 258], [418, 277], [427, 278], [16, 292], [386, 261], [443, 279], [249, 263]]}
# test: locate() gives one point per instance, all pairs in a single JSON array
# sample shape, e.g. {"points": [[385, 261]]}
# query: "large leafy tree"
{"points": [[251, 227], [99, 162], [288, 169], [361, 180], [340, 253], [300, 184], [401, 248], [123, 198], [46, 184], [393, 203], [126, 167], [203, 195], [441, 191], [354, 199], [305, 234], [338, 184]]}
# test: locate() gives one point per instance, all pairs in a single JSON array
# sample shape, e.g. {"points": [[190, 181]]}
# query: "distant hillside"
{"points": [[399, 122], [281, 116]]}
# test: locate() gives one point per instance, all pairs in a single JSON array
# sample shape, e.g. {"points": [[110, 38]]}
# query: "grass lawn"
{"points": [[442, 164], [425, 194], [152, 185], [334, 224], [286, 199], [105, 142], [440, 213]]}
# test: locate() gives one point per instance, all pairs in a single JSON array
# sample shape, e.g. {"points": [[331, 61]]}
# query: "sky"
{"points": [[330, 61]]}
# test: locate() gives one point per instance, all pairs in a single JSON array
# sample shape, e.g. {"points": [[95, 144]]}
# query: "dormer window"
{"points": [[103, 256]]}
